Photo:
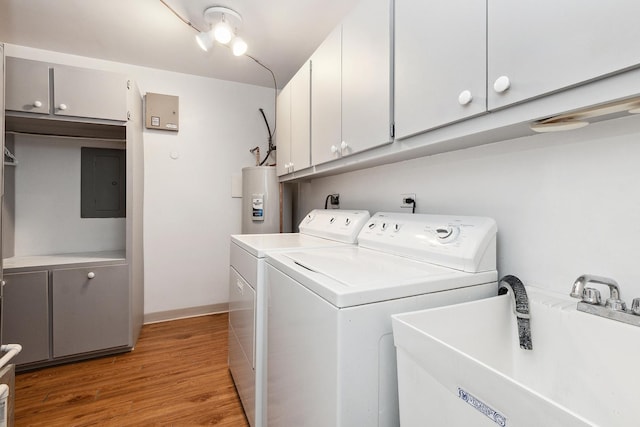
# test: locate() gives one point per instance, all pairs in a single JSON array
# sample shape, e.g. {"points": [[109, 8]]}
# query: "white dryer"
{"points": [[247, 341], [330, 356]]}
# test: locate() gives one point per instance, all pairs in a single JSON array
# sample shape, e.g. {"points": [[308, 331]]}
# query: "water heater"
{"points": [[260, 200]]}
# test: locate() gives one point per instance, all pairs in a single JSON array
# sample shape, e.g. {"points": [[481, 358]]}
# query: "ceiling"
{"points": [[281, 34]]}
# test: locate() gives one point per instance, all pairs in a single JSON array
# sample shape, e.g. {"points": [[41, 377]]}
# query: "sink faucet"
{"points": [[521, 308], [614, 308], [613, 302]]}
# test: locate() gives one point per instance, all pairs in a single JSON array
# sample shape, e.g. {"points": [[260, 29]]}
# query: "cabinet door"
{"points": [[283, 131], [81, 92], [89, 314], [366, 76], [26, 314], [27, 86], [544, 46], [440, 52], [326, 104], [301, 118]]}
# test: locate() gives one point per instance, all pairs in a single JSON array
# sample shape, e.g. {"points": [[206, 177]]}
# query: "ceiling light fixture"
{"points": [[223, 23]]}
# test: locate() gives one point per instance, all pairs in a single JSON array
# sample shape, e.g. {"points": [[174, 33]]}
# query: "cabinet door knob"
{"points": [[465, 97], [91, 275], [37, 104], [343, 146], [501, 84], [62, 107], [334, 149]]}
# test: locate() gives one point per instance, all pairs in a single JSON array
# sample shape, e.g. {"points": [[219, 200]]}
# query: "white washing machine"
{"points": [[247, 341], [330, 355]]}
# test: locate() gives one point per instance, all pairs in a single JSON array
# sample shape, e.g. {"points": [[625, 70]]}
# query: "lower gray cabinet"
{"points": [[26, 314], [90, 309]]}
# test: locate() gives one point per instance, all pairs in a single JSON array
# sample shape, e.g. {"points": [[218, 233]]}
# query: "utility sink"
{"points": [[461, 365]]}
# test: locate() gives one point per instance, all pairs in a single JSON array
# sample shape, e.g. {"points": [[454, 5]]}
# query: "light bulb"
{"points": [[205, 40], [222, 32], [239, 46]]}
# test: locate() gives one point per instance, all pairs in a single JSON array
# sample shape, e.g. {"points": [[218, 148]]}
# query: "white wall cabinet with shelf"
{"points": [[545, 46], [499, 54], [85, 317], [294, 120], [77, 92], [351, 94]]}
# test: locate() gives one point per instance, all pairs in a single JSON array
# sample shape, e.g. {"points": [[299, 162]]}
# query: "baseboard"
{"points": [[183, 313]]}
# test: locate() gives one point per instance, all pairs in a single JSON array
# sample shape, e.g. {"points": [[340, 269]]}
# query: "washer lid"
{"points": [[259, 244], [348, 276]]}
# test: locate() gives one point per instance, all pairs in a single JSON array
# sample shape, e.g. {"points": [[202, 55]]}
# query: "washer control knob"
{"points": [[396, 227], [332, 220], [347, 221], [384, 226], [371, 225], [446, 234]]}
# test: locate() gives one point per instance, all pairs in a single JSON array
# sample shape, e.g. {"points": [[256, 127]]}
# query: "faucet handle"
{"points": [[615, 304], [635, 306], [592, 296]]}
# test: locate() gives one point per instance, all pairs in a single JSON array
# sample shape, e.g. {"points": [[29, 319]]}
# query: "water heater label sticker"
{"points": [[257, 202], [482, 407]]}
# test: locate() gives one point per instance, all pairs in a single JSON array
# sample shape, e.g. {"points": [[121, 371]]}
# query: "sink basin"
{"points": [[461, 365]]}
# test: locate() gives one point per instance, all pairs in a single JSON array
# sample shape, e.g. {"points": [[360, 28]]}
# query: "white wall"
{"points": [[565, 203], [189, 212], [47, 200]]}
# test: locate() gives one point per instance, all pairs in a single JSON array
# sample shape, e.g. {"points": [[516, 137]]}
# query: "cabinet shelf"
{"points": [[39, 261]]}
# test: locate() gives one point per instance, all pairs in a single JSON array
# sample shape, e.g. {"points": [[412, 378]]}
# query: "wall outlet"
{"points": [[407, 200], [334, 200]]}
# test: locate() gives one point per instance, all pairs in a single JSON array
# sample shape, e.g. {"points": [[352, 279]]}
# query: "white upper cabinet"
{"points": [[440, 63], [351, 84], [283, 131], [82, 92], [366, 77], [27, 86], [293, 131], [77, 92], [301, 118], [538, 47], [326, 99]]}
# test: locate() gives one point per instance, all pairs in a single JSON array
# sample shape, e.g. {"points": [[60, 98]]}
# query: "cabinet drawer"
{"points": [[26, 315], [90, 308]]}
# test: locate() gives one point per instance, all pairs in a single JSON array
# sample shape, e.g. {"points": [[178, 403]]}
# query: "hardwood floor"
{"points": [[176, 376]]}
